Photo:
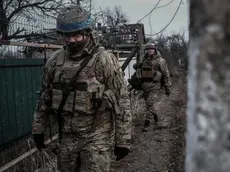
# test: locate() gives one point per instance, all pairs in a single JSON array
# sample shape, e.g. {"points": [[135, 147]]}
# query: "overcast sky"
{"points": [[136, 9]]}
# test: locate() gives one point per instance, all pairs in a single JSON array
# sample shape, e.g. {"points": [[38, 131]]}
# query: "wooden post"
{"points": [[30, 44]]}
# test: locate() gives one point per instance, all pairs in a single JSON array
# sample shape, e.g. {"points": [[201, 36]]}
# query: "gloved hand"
{"points": [[120, 152], [39, 141], [167, 91]]}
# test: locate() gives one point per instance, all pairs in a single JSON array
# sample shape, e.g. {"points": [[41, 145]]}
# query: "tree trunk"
{"points": [[4, 23], [208, 138]]}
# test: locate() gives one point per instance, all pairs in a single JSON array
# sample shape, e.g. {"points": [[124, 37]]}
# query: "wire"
{"points": [[169, 21], [149, 11], [165, 5], [156, 7]]}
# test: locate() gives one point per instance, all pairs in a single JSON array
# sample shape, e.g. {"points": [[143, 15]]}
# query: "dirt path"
{"points": [[161, 149]]}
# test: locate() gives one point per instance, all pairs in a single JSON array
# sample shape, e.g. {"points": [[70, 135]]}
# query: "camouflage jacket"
{"points": [[108, 72], [158, 64]]}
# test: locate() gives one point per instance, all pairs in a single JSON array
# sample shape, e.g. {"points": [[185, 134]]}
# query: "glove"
{"points": [[167, 91], [39, 141], [120, 152]]}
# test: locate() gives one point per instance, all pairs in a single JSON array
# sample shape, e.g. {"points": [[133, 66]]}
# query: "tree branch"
{"points": [[8, 4], [16, 33], [31, 5]]}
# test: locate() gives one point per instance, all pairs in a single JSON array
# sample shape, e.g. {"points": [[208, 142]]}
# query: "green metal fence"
{"points": [[20, 72], [19, 81]]}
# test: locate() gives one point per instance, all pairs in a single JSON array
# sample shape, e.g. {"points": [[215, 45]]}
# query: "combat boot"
{"points": [[146, 125]]}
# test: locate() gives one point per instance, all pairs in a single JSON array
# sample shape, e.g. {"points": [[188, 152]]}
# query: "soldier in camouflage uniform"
{"points": [[154, 70], [96, 118]]}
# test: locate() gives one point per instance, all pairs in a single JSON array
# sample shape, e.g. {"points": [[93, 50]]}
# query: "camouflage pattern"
{"points": [[69, 16], [150, 98], [88, 137], [158, 64], [88, 90], [150, 46], [151, 88], [92, 153]]}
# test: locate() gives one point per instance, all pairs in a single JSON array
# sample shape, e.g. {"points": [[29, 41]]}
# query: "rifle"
{"points": [[127, 61]]}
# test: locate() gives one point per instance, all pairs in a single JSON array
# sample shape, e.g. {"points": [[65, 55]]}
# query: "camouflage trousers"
{"points": [[150, 100], [84, 155]]}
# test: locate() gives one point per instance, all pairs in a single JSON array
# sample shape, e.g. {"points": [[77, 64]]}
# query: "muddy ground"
{"points": [[162, 148]]}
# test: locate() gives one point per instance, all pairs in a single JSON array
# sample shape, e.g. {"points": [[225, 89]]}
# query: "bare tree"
{"points": [[86, 4], [114, 17], [108, 21], [173, 48], [111, 17], [11, 9]]}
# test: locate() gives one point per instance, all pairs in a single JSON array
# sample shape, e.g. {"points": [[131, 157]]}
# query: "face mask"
{"points": [[76, 47]]}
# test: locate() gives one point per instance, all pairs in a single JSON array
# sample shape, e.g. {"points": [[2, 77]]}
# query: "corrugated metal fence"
{"points": [[19, 72], [19, 81]]}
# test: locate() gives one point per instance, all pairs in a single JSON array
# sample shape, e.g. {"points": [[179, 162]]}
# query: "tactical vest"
{"points": [[147, 70], [88, 90]]}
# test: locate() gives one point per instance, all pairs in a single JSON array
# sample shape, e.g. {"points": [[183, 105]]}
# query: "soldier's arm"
{"points": [[114, 80], [165, 72], [44, 103]]}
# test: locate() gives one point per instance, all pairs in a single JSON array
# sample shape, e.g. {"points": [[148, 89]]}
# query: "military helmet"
{"points": [[73, 19], [150, 46]]}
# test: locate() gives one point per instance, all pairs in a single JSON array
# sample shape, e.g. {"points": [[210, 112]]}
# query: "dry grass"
{"points": [[48, 164], [137, 104], [43, 161]]}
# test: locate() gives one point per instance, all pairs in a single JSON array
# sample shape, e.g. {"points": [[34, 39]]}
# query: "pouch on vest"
{"points": [[147, 73], [111, 101], [87, 93], [86, 98], [57, 97], [61, 77], [89, 99]]}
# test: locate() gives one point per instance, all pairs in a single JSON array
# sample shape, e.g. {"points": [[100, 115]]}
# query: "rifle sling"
{"points": [[67, 90]]}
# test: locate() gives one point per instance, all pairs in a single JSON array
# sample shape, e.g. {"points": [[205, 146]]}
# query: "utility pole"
{"points": [[208, 120]]}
